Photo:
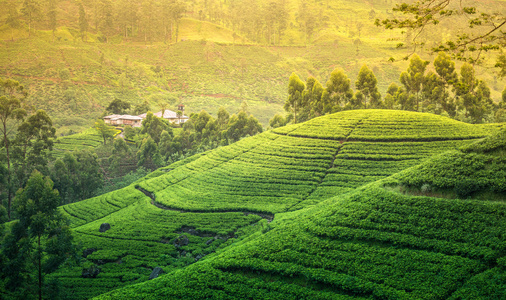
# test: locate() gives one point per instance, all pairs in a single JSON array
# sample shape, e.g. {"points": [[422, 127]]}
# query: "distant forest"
{"points": [[259, 21]]}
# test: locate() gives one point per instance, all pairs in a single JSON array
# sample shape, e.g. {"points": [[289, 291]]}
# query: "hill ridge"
{"points": [[295, 179]]}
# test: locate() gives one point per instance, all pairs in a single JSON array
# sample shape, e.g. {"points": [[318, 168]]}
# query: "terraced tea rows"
{"points": [[86, 140], [359, 163], [300, 165], [270, 174], [387, 125], [83, 212], [141, 238], [368, 244], [216, 194]]}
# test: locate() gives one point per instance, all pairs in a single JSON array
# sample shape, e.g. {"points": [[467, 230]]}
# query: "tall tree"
{"points": [[83, 21], [500, 114], [338, 92], [105, 131], [224, 116], [11, 95], [31, 11], [295, 90], [141, 108], [312, 99], [307, 17], [275, 15], [154, 126], [445, 68], [177, 8], [149, 155], [67, 174], [241, 125], [34, 140], [51, 15], [474, 94], [127, 16], [121, 153], [89, 174], [118, 106], [104, 18], [62, 180], [413, 78], [147, 19], [277, 121], [476, 32], [434, 94], [41, 223], [12, 17], [367, 84]]}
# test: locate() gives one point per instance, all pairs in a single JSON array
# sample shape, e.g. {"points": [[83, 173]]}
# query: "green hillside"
{"points": [[86, 140], [75, 81], [217, 58], [228, 195], [372, 243]]}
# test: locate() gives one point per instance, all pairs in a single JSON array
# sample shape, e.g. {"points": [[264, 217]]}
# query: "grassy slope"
{"points": [[294, 166], [86, 140], [371, 243], [72, 80], [278, 171]]}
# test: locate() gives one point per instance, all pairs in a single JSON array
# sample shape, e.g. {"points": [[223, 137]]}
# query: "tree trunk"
{"points": [[177, 30], [9, 194], [40, 271], [295, 112], [417, 102], [171, 32]]}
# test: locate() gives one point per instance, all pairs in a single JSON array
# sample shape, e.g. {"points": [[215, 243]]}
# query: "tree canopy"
{"points": [[480, 31]]}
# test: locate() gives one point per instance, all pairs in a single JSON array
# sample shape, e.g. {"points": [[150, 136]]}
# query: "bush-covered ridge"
{"points": [[387, 125], [295, 166], [275, 172], [142, 237], [368, 244], [477, 170]]}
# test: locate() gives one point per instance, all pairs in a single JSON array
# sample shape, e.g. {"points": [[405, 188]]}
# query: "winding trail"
{"points": [[267, 216]]}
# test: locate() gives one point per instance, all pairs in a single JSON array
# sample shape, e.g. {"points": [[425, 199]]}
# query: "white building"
{"points": [[169, 115], [134, 121]]}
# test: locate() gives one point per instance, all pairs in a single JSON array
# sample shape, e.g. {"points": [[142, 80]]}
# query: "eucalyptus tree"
{"points": [[413, 78], [476, 31], [31, 10], [295, 95], [367, 84], [338, 92], [11, 113], [33, 142], [39, 240]]}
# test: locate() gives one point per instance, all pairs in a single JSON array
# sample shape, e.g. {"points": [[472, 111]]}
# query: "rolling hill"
{"points": [[210, 65], [372, 243], [331, 235]]}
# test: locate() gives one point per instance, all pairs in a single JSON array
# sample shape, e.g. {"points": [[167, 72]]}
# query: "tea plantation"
{"points": [[342, 226], [87, 140]]}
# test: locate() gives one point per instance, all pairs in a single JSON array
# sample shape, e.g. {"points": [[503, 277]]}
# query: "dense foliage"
{"points": [[464, 97], [477, 170], [36, 244]]}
